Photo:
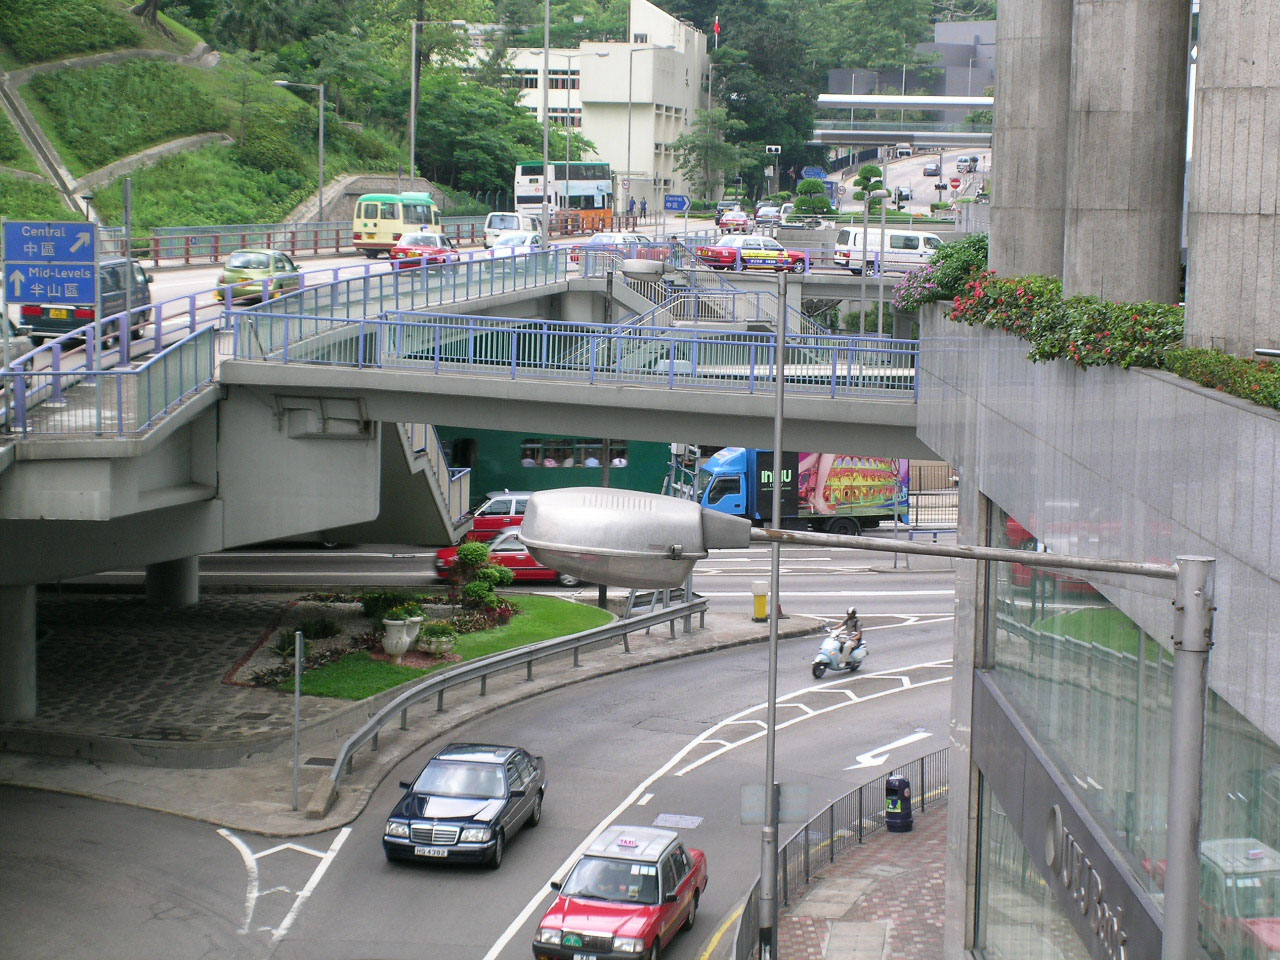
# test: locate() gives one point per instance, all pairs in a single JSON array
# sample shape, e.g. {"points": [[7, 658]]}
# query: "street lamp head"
{"points": [[282, 83], [880, 194], [625, 537]]}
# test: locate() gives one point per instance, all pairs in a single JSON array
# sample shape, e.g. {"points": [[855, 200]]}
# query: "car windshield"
{"points": [[423, 240], [515, 240], [624, 881], [605, 238], [245, 260], [508, 222], [453, 778]]}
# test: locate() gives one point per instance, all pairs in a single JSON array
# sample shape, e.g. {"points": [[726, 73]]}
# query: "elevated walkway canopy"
{"points": [[917, 133]]}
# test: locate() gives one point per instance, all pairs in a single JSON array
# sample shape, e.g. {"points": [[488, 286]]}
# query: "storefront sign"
{"points": [[1083, 885]]}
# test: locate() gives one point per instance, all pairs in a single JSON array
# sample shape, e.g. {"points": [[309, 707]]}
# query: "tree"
{"points": [[869, 178], [811, 199], [149, 12], [704, 154], [257, 24]]}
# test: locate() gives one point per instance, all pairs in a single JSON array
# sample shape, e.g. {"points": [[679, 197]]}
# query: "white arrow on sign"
{"points": [[873, 758], [82, 240], [17, 280]]}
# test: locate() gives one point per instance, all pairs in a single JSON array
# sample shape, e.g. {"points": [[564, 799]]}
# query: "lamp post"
{"points": [[968, 87], [545, 231], [319, 87], [882, 195], [568, 106], [413, 86], [630, 75]]}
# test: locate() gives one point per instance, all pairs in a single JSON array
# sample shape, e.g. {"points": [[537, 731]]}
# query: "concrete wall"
{"points": [[1233, 231]]}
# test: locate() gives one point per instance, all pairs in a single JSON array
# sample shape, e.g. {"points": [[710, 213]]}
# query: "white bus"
{"points": [[585, 188]]}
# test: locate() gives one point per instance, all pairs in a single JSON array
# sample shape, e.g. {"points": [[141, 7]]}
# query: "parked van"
{"points": [[499, 225], [381, 219], [903, 249], [53, 320]]}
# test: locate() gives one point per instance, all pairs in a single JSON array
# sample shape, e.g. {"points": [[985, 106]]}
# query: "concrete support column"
{"points": [[174, 583], [1233, 232], [1126, 147], [1029, 145], [18, 653]]}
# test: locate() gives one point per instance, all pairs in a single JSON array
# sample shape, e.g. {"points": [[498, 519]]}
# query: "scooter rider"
{"points": [[850, 634]]}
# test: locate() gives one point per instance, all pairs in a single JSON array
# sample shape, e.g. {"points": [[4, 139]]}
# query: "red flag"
{"points": [[716, 28]]}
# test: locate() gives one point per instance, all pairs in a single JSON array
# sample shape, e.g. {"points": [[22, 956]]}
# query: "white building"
{"points": [[632, 100]]}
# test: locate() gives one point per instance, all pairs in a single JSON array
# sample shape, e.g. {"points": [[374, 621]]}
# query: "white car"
{"points": [[515, 245]]}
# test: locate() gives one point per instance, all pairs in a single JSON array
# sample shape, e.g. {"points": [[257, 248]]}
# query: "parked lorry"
{"points": [[829, 492]]}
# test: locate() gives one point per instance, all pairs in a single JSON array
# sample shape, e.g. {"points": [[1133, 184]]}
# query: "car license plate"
{"points": [[584, 956], [56, 314], [430, 852]]}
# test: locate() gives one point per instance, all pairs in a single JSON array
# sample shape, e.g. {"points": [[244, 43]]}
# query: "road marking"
{"points": [[720, 932], [644, 800], [252, 893], [877, 757]]}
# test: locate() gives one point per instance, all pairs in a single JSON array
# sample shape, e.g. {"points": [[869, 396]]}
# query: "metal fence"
{"points": [[843, 824]]}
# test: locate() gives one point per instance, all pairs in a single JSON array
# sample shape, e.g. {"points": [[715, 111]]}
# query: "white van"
{"points": [[902, 150], [903, 249], [499, 225]]}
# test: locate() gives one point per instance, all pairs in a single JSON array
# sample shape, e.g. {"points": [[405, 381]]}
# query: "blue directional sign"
{"points": [[813, 173], [677, 202], [50, 262]]}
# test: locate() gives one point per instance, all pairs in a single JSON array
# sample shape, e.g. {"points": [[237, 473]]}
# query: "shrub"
{"points": [[958, 262], [268, 150], [28, 200], [1256, 380], [375, 605], [319, 628], [284, 644], [478, 593], [404, 611], [434, 629], [38, 30]]}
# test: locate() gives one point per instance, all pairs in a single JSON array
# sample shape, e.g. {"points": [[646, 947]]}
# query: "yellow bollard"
{"points": [[760, 601]]}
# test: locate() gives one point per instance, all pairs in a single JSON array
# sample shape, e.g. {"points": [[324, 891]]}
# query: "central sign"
{"points": [[50, 262]]}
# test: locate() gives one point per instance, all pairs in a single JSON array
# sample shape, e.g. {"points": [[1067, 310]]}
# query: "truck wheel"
{"points": [[844, 527], [818, 670]]}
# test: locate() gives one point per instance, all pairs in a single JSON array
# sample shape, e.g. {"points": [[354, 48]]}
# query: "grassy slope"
{"points": [[13, 152], [24, 200]]}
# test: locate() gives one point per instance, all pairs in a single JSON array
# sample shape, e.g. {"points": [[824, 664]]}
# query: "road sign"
{"points": [[841, 190], [955, 183], [625, 184], [50, 262], [676, 201], [813, 173]]}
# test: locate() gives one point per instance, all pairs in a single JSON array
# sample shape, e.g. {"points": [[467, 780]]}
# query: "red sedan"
{"points": [[738, 221], [632, 891], [415, 249], [751, 253], [507, 550]]}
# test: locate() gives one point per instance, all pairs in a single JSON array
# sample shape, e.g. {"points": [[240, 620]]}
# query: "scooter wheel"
{"points": [[818, 670]]}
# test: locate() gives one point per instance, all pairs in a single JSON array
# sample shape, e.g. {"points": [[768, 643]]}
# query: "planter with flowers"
{"points": [[401, 625]]}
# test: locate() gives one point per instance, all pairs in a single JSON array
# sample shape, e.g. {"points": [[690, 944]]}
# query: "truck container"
{"points": [[838, 493]]}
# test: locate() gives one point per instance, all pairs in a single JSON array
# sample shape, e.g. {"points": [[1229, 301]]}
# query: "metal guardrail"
{"points": [[438, 684], [844, 823]]}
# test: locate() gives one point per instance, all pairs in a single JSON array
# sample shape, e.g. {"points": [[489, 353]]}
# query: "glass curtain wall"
{"points": [[1095, 690]]}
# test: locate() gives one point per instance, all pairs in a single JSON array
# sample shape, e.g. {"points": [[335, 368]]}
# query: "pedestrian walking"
{"points": [[644, 208], [631, 206]]}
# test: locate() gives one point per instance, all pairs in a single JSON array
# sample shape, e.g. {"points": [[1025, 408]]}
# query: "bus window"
{"points": [[390, 211], [371, 211]]}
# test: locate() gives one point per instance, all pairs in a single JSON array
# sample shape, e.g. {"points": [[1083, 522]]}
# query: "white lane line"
{"points": [[311, 884], [251, 867], [644, 800], [878, 756]]}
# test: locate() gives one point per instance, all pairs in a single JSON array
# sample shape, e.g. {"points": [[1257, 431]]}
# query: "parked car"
{"points": [[416, 249], [245, 271], [602, 242], [46, 320], [514, 245], [466, 804], [724, 206], [629, 894], [503, 510], [751, 252], [933, 169], [735, 220], [786, 211], [768, 216], [507, 550]]}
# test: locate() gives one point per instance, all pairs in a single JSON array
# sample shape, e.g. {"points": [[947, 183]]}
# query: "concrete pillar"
{"points": [[174, 583], [1029, 144], [1126, 147], [1233, 233], [18, 653]]}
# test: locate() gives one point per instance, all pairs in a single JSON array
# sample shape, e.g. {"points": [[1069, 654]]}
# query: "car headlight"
{"points": [[628, 945], [549, 935], [475, 835], [397, 829]]}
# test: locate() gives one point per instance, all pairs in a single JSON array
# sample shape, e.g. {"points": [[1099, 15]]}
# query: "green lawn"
{"points": [[358, 676], [1104, 626]]}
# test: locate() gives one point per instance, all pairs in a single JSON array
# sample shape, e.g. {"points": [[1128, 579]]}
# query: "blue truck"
{"points": [[828, 492]]}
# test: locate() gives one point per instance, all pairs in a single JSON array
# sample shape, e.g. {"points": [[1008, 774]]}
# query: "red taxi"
{"points": [[507, 550], [415, 249], [735, 220], [628, 896], [503, 510], [751, 253]]}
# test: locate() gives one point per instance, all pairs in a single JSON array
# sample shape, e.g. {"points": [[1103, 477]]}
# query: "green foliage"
{"points": [[473, 554], [811, 199], [811, 187], [403, 611], [319, 628], [28, 200], [436, 629], [39, 30], [1256, 380], [103, 113], [376, 603], [355, 677], [958, 262], [284, 644], [13, 152], [478, 593], [704, 154], [268, 149]]}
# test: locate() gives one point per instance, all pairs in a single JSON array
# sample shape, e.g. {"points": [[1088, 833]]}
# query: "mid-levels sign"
{"points": [[50, 262]]}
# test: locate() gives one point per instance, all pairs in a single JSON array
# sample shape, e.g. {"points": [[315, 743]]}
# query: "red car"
{"points": [[415, 249], [1020, 538], [751, 253], [738, 221], [632, 891], [507, 550], [502, 511]]}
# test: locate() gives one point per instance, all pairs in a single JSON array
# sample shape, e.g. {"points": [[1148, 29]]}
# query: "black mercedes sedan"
{"points": [[467, 802]]}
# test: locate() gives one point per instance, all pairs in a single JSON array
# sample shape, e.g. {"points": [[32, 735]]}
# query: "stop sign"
{"points": [[955, 183]]}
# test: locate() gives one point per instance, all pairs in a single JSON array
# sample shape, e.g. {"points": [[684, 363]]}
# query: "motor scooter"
{"points": [[828, 657]]}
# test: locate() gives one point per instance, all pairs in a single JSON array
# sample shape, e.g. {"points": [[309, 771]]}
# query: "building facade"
{"points": [[1061, 717], [632, 100]]}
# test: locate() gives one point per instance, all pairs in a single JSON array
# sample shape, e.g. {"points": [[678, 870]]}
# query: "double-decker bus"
{"points": [[583, 188]]}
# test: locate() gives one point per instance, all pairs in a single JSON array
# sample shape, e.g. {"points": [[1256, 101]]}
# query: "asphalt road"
{"points": [[93, 880]]}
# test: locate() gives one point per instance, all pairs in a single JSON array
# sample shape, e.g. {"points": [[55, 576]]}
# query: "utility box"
{"points": [[897, 805]]}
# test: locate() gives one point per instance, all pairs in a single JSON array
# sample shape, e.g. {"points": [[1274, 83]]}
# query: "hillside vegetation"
{"points": [[38, 30]]}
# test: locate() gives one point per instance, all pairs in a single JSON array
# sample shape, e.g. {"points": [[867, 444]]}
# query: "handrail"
{"points": [[480, 670]]}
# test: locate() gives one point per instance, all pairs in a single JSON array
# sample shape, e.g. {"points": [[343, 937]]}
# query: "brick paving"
{"points": [[896, 881]]}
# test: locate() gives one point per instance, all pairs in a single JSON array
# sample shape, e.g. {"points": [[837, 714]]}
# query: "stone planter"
{"points": [[438, 646], [398, 636]]}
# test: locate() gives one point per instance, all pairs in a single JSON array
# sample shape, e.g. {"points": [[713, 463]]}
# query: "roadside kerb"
{"points": [[323, 797]]}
